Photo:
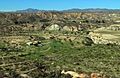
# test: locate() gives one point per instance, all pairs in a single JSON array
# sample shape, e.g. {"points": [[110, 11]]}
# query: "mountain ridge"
{"points": [[31, 10]]}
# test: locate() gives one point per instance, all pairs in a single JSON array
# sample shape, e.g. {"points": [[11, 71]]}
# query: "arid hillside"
{"points": [[22, 22], [60, 45]]}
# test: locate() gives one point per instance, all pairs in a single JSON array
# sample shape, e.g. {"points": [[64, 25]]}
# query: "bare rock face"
{"points": [[53, 27]]}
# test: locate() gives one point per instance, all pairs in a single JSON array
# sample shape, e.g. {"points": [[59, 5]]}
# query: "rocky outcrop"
{"points": [[70, 28], [54, 27]]}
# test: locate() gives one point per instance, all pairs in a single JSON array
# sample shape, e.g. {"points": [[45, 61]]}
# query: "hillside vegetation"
{"points": [[41, 45]]}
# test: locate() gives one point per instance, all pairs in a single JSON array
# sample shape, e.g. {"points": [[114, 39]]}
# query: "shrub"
{"points": [[87, 41]]}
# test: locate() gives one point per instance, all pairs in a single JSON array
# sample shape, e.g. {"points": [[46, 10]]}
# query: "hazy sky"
{"points": [[8, 5]]}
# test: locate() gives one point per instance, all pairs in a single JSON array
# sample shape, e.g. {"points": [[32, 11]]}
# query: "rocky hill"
{"points": [[10, 22]]}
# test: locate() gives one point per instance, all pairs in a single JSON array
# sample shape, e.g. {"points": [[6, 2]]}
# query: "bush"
{"points": [[2, 44], [87, 41]]}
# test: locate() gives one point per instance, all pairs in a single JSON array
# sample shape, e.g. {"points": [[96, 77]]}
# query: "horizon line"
{"points": [[57, 9]]}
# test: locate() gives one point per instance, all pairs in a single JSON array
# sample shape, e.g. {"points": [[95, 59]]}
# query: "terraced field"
{"points": [[106, 35]]}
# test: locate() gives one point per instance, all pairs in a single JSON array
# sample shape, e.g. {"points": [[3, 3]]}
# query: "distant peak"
{"points": [[29, 10]]}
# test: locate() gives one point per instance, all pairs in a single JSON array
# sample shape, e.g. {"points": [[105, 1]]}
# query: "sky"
{"points": [[12, 5]]}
